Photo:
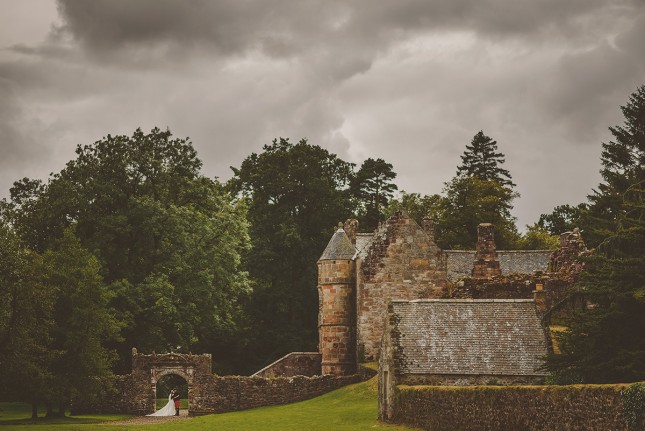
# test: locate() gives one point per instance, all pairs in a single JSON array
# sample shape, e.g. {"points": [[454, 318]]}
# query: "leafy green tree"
{"points": [[25, 322], [604, 342], [373, 188], [168, 239], [538, 238], [563, 218], [470, 201], [417, 206], [296, 193], [83, 323], [482, 160]]}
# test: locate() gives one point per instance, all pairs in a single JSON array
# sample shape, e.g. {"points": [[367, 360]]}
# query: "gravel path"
{"points": [[148, 420]]}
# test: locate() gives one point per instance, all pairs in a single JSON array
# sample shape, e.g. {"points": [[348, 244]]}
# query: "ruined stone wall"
{"points": [[401, 263], [513, 286], [526, 408], [293, 364]]}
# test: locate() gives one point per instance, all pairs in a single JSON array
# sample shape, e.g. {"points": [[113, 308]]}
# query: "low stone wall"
{"points": [[512, 408], [218, 394], [232, 393], [293, 364]]}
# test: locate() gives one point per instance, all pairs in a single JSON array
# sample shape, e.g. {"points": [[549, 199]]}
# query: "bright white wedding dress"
{"points": [[167, 410]]}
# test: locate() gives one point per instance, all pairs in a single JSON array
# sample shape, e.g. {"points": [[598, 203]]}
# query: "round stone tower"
{"points": [[337, 299]]}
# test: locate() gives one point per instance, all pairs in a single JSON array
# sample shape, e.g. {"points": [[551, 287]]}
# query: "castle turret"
{"points": [[336, 291]]}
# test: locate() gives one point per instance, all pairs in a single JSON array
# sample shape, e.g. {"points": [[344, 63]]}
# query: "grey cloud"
{"points": [[23, 151]]}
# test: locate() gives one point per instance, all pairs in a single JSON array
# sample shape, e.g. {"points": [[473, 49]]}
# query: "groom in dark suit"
{"points": [[177, 399]]}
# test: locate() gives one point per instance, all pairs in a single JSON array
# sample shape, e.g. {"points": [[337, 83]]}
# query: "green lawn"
{"points": [[350, 408]]}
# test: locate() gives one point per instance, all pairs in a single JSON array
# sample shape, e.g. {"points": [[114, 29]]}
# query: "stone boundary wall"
{"points": [[293, 364], [233, 393], [511, 408], [220, 394]]}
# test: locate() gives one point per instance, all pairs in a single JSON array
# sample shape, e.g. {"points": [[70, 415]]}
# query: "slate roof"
{"points": [[459, 263], [468, 336], [339, 247], [363, 241]]}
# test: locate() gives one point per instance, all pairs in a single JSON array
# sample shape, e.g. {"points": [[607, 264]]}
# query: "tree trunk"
{"points": [[62, 406], [50, 410], [34, 410]]}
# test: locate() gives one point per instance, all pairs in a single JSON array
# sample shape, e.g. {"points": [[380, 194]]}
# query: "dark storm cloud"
{"points": [[409, 81], [21, 153], [284, 28]]}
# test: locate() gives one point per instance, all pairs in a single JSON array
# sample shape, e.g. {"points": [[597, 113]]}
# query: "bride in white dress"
{"points": [[168, 409]]}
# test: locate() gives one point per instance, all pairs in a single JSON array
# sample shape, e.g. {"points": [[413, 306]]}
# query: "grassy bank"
{"points": [[352, 408]]}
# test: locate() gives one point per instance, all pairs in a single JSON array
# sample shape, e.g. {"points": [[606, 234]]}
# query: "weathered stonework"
{"points": [[337, 299], [565, 259], [402, 262], [486, 263], [459, 342], [135, 393]]}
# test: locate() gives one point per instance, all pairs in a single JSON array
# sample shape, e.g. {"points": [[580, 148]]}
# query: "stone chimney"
{"points": [[351, 229], [486, 264], [540, 298], [428, 226]]}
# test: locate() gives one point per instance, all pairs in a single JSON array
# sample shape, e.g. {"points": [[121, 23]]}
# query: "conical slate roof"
{"points": [[339, 247]]}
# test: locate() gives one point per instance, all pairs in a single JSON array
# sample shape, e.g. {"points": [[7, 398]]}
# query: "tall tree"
{"points": [[604, 343], [482, 160], [26, 322], [83, 323], [564, 218], [470, 201], [296, 193], [417, 206], [168, 239], [373, 188]]}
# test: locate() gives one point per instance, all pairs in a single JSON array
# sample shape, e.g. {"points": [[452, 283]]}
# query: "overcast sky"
{"points": [[409, 81]]}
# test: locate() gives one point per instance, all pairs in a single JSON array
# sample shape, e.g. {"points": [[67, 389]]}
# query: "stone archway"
{"points": [[148, 369]]}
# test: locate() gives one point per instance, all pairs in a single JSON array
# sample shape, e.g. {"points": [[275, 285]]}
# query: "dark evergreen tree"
{"points": [[604, 342], [470, 201], [482, 160], [373, 188]]}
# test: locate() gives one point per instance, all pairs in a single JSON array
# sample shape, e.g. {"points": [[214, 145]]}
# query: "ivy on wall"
{"points": [[634, 405]]}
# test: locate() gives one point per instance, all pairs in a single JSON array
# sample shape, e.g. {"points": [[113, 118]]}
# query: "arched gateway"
{"points": [[148, 369]]}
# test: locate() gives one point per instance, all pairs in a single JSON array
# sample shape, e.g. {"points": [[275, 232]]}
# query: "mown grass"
{"points": [[352, 408], [20, 414]]}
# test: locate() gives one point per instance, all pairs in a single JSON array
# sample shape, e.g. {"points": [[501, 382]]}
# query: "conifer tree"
{"points": [[373, 188], [482, 160], [605, 342]]}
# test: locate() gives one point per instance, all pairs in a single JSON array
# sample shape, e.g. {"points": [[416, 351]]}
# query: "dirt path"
{"points": [[148, 420]]}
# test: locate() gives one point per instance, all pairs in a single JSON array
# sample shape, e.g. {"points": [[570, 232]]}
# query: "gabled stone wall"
{"points": [[402, 263]]}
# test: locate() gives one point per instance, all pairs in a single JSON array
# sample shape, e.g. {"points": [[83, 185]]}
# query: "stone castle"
{"points": [[360, 274]]}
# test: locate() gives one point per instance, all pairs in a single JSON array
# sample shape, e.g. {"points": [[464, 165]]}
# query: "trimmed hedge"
{"points": [[518, 408]]}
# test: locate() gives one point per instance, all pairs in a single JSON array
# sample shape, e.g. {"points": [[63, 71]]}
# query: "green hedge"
{"points": [[522, 408]]}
